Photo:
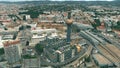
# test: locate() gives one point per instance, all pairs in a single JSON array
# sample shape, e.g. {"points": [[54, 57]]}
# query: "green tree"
{"points": [[1, 51], [118, 23], [28, 56], [39, 48], [117, 27], [94, 25], [21, 28], [28, 26]]}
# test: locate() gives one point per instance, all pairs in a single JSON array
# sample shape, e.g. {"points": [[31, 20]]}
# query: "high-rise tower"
{"points": [[69, 22]]}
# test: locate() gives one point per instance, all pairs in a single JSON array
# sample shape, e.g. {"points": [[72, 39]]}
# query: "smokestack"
{"points": [[69, 23]]}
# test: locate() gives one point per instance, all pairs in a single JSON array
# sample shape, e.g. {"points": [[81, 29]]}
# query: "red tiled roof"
{"points": [[5, 21], [8, 43]]}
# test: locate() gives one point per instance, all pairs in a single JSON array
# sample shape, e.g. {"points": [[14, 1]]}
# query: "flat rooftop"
{"points": [[114, 49], [101, 59]]}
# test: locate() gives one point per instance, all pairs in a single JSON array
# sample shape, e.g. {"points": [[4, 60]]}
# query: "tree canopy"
{"points": [[28, 56], [1, 51], [117, 27], [39, 48]]}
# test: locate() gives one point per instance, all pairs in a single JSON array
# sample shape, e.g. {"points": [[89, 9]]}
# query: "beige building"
{"points": [[12, 51]]}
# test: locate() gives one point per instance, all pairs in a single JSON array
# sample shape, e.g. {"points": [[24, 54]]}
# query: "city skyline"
{"points": [[59, 34]]}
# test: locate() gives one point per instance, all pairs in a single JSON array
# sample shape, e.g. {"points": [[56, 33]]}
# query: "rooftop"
{"points": [[101, 59], [8, 43], [82, 26]]}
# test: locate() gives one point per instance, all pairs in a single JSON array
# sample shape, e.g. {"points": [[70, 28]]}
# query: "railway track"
{"points": [[105, 48], [116, 55], [109, 54]]}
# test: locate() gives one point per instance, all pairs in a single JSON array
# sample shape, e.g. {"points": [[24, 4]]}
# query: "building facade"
{"points": [[12, 51]]}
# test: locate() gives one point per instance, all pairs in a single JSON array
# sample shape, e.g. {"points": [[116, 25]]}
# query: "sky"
{"points": [[56, 0]]}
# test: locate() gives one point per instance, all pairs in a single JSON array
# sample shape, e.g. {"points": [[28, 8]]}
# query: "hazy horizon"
{"points": [[55, 0]]}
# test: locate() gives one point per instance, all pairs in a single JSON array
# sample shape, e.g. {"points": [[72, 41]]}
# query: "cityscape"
{"points": [[60, 34]]}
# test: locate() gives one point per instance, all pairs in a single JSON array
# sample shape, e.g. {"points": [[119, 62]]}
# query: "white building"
{"points": [[27, 17], [40, 31]]}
